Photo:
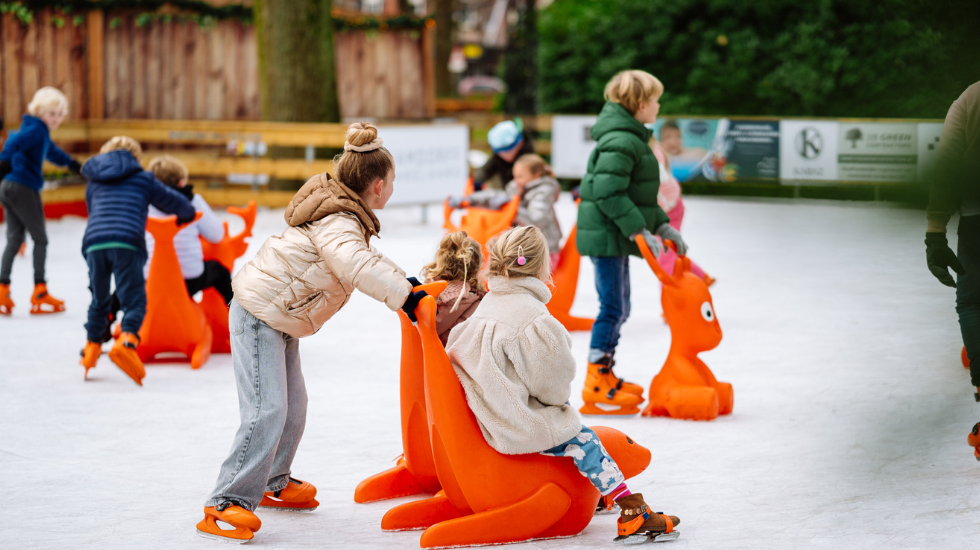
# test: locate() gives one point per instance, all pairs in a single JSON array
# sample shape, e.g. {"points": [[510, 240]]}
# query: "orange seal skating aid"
{"points": [[245, 523], [296, 496]]}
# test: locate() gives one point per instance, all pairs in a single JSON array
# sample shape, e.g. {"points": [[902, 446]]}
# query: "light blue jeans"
{"points": [[591, 459], [272, 403]]}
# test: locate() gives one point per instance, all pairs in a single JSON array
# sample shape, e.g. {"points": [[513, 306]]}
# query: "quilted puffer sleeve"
{"points": [[340, 240]]}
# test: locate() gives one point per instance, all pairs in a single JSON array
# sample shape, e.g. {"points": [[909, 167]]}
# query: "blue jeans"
{"points": [[591, 459], [612, 282], [272, 404], [126, 267], [968, 291]]}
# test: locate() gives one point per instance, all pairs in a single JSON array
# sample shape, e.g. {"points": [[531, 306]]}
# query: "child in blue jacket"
{"points": [[20, 192], [118, 194]]}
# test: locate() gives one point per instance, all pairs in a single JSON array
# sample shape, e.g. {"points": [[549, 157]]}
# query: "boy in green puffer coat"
{"points": [[619, 205]]}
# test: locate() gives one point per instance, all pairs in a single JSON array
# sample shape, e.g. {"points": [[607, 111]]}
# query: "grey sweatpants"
{"points": [[272, 405], [22, 211]]}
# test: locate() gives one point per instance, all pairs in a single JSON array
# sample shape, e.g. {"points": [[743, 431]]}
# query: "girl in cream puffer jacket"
{"points": [[295, 284]]}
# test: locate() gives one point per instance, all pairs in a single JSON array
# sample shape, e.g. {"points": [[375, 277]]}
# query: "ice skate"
{"points": [[296, 496], [638, 525], [42, 302], [606, 506], [245, 523], [603, 397], [606, 368], [124, 355], [974, 440], [6, 304], [90, 355]]}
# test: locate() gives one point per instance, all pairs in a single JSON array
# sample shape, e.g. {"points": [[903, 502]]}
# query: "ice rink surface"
{"points": [[849, 429]]}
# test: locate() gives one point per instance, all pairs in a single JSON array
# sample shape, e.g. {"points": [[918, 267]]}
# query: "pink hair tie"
{"points": [[521, 260]]}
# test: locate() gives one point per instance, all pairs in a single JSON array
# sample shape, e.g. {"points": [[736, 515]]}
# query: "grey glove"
{"points": [[499, 201], [654, 243], [666, 232], [455, 201]]}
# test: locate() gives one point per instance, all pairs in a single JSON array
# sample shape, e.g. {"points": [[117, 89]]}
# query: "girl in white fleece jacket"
{"points": [[516, 367]]}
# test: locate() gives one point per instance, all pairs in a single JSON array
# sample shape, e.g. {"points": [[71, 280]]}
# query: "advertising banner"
{"points": [[929, 133], [878, 151], [808, 150], [686, 141], [430, 161], [571, 145]]}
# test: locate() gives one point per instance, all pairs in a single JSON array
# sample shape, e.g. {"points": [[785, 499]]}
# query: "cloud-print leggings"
{"points": [[591, 459]]}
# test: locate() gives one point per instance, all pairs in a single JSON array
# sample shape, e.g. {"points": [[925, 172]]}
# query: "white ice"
{"points": [[849, 429]]}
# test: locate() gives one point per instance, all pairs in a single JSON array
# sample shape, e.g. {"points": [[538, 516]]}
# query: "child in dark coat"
{"points": [[118, 195], [20, 193]]}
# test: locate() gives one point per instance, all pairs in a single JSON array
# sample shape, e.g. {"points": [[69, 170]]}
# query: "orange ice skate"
{"points": [[42, 302], [974, 440], [90, 355], [602, 394], [245, 523], [296, 496], [6, 304], [124, 355]]}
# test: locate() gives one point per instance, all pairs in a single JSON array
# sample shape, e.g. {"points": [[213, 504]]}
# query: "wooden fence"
{"points": [[114, 68]]}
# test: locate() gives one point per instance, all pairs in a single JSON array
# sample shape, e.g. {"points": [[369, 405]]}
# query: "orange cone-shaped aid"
{"points": [[482, 223], [565, 278]]}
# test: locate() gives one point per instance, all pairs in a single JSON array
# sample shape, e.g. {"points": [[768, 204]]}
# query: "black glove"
{"points": [[187, 191], [415, 282], [939, 258], [5, 168], [412, 302], [75, 167]]}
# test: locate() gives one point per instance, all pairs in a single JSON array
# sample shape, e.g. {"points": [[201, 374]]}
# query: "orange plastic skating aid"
{"points": [[6, 304], [245, 523], [226, 252], [42, 302], [125, 355], [174, 322], [90, 356], [974, 440], [482, 223], [565, 279], [963, 356], [685, 387], [601, 395], [492, 498], [415, 471], [296, 496]]}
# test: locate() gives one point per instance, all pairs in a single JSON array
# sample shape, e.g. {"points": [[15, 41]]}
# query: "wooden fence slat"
{"points": [[140, 74], [77, 70], [199, 66], [215, 81], [13, 50], [45, 48], [113, 104], [96, 64], [168, 80], [232, 74], [253, 107], [4, 123], [154, 79], [178, 72], [29, 68], [61, 45]]}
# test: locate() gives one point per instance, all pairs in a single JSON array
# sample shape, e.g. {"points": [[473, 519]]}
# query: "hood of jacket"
{"points": [[520, 285], [111, 167], [33, 124], [615, 118], [321, 196]]}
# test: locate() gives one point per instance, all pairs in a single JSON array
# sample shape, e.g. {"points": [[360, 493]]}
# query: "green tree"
{"points": [[297, 77]]}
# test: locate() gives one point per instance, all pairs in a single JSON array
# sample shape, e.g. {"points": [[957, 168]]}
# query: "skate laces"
{"points": [[225, 504]]}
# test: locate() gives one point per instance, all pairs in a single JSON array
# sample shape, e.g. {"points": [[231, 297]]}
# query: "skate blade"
{"points": [[606, 408], [287, 508], [212, 536], [638, 538]]}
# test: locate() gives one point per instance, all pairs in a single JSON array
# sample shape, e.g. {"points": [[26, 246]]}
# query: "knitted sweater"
{"points": [[117, 197], [446, 317], [26, 150], [515, 364]]}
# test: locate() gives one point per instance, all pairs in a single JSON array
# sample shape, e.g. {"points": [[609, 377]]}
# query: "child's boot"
{"points": [[6, 304], [245, 523], [124, 355], [90, 355], [603, 397], [606, 367], [297, 496], [637, 524], [42, 302]]}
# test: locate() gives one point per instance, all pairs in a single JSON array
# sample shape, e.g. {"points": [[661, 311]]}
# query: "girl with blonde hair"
{"points": [[458, 261], [295, 284], [515, 364]]}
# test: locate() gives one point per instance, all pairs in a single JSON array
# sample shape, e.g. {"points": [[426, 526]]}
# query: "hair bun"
{"points": [[361, 133]]}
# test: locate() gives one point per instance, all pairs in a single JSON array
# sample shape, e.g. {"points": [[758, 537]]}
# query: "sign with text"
{"points": [[430, 161], [808, 150], [571, 145], [878, 151]]}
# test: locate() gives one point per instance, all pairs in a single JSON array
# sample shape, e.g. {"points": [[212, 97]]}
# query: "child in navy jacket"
{"points": [[117, 197], [20, 193]]}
